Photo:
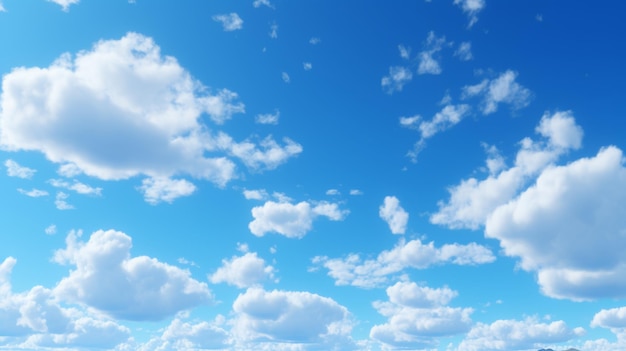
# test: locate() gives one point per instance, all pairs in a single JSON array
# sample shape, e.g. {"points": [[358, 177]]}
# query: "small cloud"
{"points": [[255, 194], [405, 52], [397, 78], [332, 192], [503, 89], [471, 8], [464, 51], [268, 118], [65, 4], [395, 216], [428, 63], [355, 192], [156, 190], [307, 66], [15, 170], [185, 261], [230, 21], [69, 170], [259, 3], [243, 247], [77, 186], [33, 192], [273, 31], [51, 229], [539, 17], [315, 41], [60, 202], [285, 77]]}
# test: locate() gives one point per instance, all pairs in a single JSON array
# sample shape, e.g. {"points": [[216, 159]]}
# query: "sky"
{"points": [[312, 175]]}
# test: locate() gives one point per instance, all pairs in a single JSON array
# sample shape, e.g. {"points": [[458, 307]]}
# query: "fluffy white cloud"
{"points": [[15, 170], [395, 216], [428, 64], [268, 118], [156, 190], [76, 186], [397, 78], [33, 192], [107, 278], [259, 194], [614, 318], [352, 270], [65, 4], [503, 89], [291, 220], [517, 335], [230, 22], [181, 335], [243, 271], [473, 200], [417, 315], [288, 317], [471, 8]]}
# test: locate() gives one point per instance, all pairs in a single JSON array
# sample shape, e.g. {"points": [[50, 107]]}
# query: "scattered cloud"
{"points": [[503, 89], [15, 170], [182, 335], [259, 3], [273, 31], [65, 4], [156, 190], [315, 41], [292, 220], [333, 192], [395, 216], [243, 271], [397, 78], [417, 315], [61, 203], [107, 278], [405, 52], [230, 22], [526, 334], [307, 66], [76, 186], [285, 77], [428, 63], [268, 118], [471, 9], [353, 270], [259, 194], [33, 192], [464, 51], [356, 192], [51, 229], [265, 155]]}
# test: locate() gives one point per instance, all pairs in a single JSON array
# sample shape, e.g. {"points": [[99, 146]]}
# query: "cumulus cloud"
{"points": [[614, 318], [471, 9], [417, 315], [353, 270], [268, 118], [517, 335], [156, 190], [289, 317], [258, 194], [292, 220], [107, 278], [33, 192], [503, 89], [397, 78], [230, 22], [182, 335], [76, 186], [243, 271], [395, 216], [15, 170], [60, 201], [428, 63], [65, 4]]}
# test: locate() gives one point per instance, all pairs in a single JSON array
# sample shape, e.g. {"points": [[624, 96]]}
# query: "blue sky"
{"points": [[312, 175]]}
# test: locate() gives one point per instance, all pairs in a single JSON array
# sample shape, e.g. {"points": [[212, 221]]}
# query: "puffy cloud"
{"points": [[464, 51], [503, 89], [417, 315], [428, 64], [288, 317], [395, 216], [267, 155], [15, 170], [65, 4], [123, 94], [230, 22], [259, 194], [397, 78], [61, 203], [156, 190], [614, 318], [76, 186], [33, 192], [107, 278], [291, 220], [243, 271], [473, 200], [471, 8], [181, 335], [352, 270], [268, 118], [517, 335]]}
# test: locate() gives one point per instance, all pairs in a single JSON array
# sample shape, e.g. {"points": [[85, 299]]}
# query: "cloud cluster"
{"points": [[352, 270], [503, 89]]}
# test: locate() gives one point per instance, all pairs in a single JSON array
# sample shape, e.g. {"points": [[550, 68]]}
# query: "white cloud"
{"points": [[464, 51], [395, 216], [77, 186], [33, 192], [65, 4], [503, 89], [51, 229], [405, 52], [259, 3], [124, 94], [157, 190], [243, 271], [107, 278], [428, 64], [307, 66], [15, 170], [352, 270], [69, 170], [259, 194], [265, 155], [397, 78], [473, 200], [355, 192], [285, 77], [268, 118], [517, 335], [417, 315], [288, 317], [471, 8], [614, 318], [273, 31], [291, 220], [61, 203], [315, 41], [230, 22], [180, 335], [333, 192]]}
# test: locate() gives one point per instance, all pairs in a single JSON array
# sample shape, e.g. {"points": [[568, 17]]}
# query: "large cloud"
{"points": [[107, 278], [122, 109]]}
